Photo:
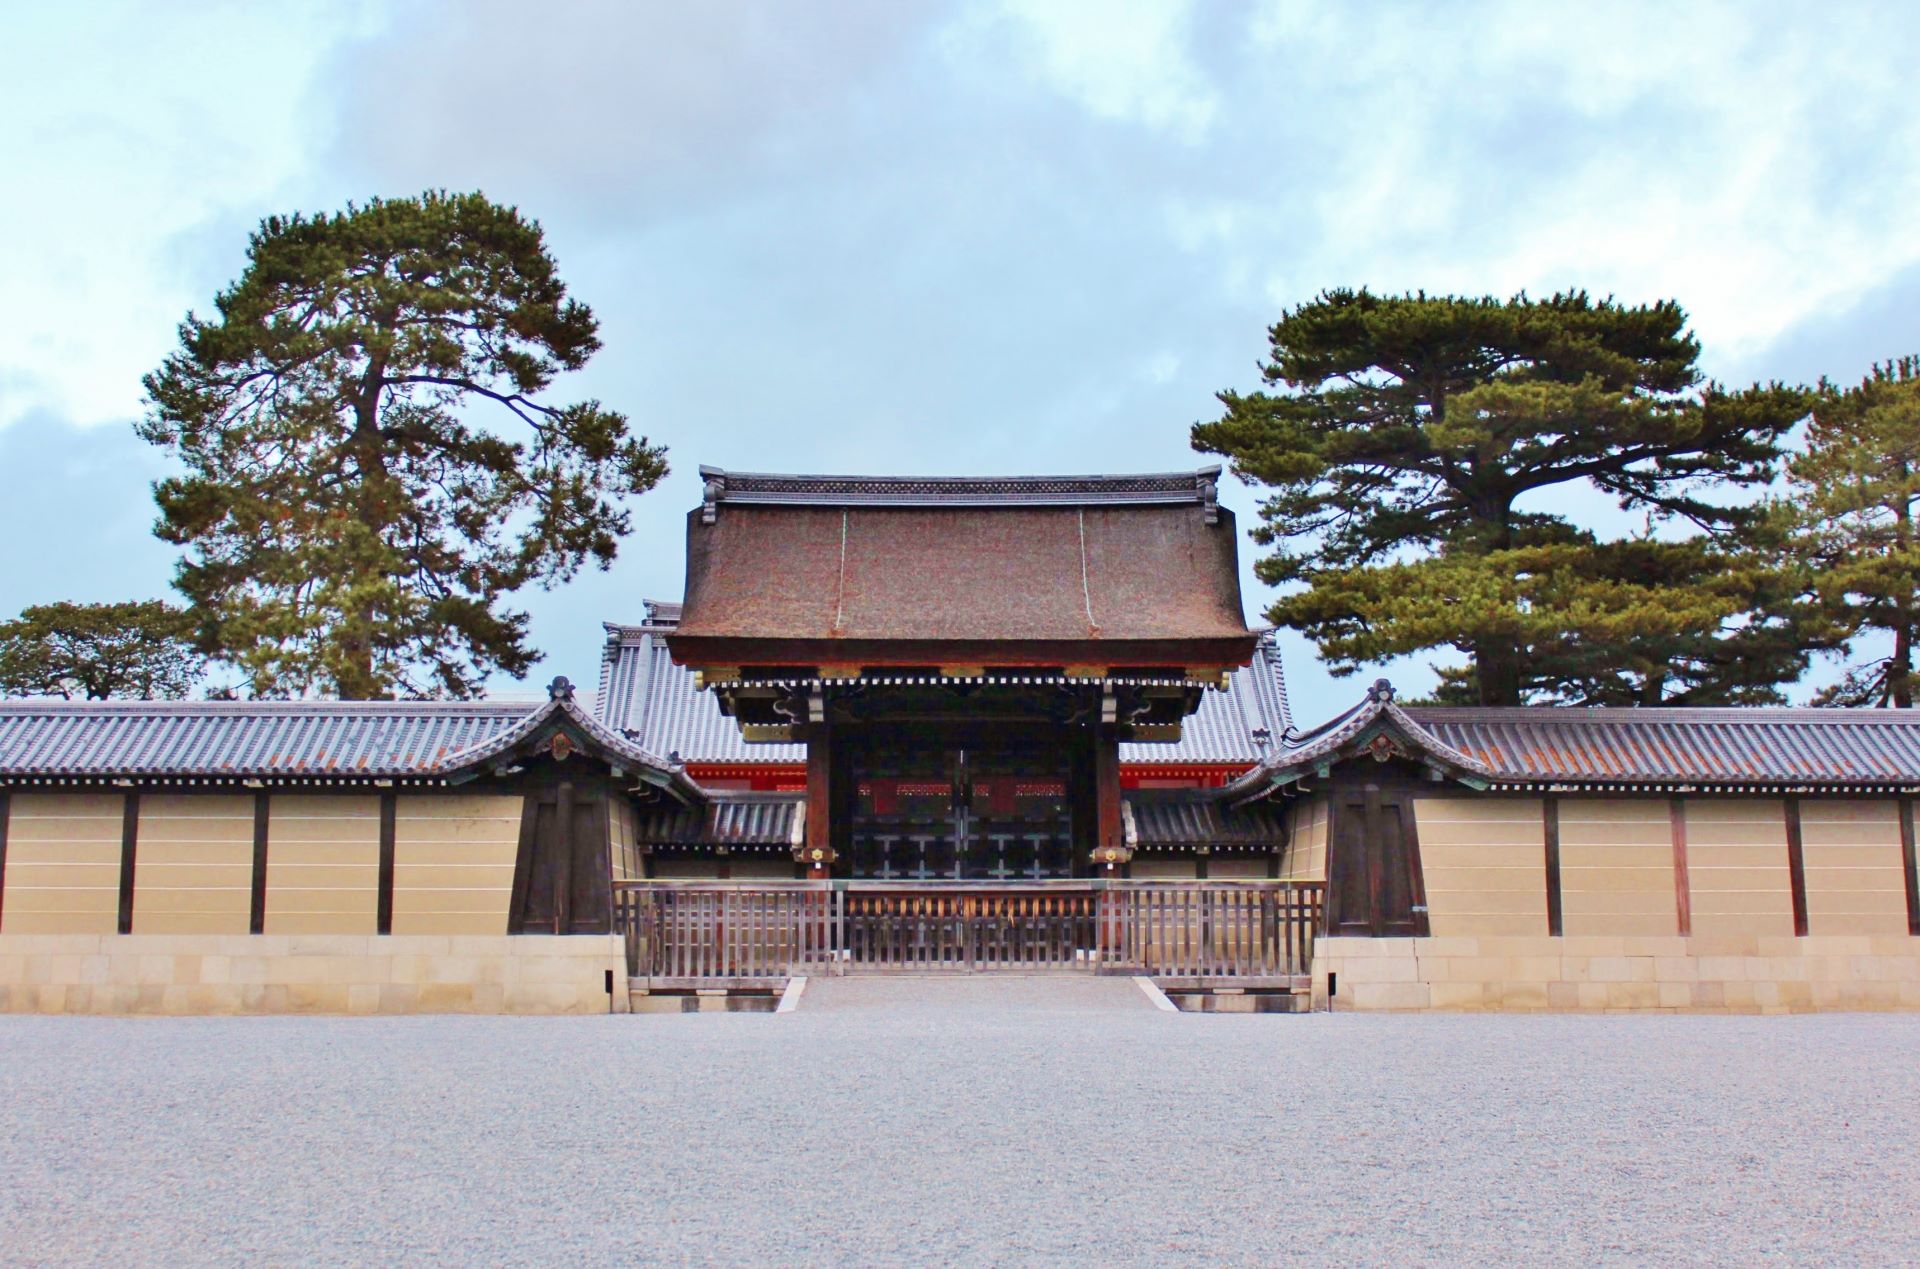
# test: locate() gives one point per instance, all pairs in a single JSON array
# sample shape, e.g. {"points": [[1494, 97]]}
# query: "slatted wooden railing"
{"points": [[734, 933]]}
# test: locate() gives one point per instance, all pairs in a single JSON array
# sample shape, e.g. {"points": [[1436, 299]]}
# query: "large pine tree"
{"points": [[1856, 495], [371, 466], [1415, 444]]}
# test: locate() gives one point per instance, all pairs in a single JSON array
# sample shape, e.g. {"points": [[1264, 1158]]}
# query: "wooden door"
{"points": [[563, 877], [1374, 884]]}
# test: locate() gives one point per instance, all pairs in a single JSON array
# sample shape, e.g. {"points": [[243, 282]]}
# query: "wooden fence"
{"points": [[719, 933]]}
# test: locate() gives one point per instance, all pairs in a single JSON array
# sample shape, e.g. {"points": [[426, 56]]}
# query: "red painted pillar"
{"points": [[818, 852]]}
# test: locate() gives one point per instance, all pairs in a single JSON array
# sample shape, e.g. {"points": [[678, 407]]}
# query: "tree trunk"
{"points": [[356, 680], [1900, 668], [1496, 666]]}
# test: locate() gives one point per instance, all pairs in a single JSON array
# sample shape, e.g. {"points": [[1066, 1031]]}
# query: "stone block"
{"points": [[1676, 995], [1592, 995], [1391, 995], [1610, 969], [445, 997], [363, 998], [1522, 995], [1633, 995], [1453, 945], [1563, 995], [1380, 969], [1675, 969], [1451, 995]]}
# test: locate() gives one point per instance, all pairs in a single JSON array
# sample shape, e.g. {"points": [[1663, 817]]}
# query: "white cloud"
{"points": [[130, 129], [1119, 60]]}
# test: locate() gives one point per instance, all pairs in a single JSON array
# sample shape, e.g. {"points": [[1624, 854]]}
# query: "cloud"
{"points": [[1120, 60], [991, 236], [130, 127]]}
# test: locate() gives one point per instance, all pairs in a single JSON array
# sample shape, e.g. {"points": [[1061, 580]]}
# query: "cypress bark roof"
{"points": [[1013, 571], [655, 703]]}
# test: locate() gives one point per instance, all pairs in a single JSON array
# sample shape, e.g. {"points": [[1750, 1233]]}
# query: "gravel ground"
{"points": [[970, 1122]]}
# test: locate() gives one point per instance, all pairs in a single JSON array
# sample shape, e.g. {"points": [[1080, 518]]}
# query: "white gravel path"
{"points": [[961, 1123]]}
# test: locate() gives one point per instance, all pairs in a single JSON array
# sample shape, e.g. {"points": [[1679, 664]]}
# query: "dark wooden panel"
{"points": [[1797, 867], [129, 846], [388, 811], [1910, 865], [1550, 808], [257, 917], [5, 816], [523, 865], [1682, 886]]}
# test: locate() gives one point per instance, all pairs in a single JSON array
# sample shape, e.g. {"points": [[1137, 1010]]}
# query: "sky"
{"points": [[870, 236]]}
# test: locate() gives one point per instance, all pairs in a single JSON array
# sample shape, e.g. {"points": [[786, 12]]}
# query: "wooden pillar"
{"points": [[1106, 788], [1796, 868], [1682, 888], [1910, 865], [1550, 809], [5, 813], [257, 910], [129, 847], [389, 827], [818, 854]]}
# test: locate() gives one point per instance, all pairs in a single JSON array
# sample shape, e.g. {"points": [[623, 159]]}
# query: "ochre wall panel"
{"points": [[453, 863], [1616, 866], [1161, 868], [1737, 866], [193, 868], [1306, 858], [1237, 868], [323, 864], [1485, 864], [1851, 852], [63, 864]]}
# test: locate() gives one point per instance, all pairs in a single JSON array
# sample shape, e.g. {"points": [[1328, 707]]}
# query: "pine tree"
{"points": [[1415, 444], [352, 524], [1856, 491], [143, 649]]}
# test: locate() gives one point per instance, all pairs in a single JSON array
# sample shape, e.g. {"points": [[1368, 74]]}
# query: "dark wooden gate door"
{"points": [[1374, 884], [563, 878]]}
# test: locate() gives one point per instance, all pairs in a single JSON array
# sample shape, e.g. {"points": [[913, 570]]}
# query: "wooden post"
{"points": [[1910, 865], [383, 911], [257, 913], [129, 847], [5, 812], [820, 802], [1550, 809], [1106, 788], [1682, 888], [1796, 868]]}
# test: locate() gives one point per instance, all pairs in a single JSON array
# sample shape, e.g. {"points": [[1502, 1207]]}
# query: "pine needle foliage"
{"points": [[372, 466], [142, 650], [1855, 495], [1415, 446]]}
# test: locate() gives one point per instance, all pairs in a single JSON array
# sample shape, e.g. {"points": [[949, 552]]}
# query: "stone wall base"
{"points": [[310, 973], [1721, 974]]}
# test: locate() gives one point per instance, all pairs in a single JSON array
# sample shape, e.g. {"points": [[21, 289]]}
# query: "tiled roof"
{"points": [[278, 740], [244, 739], [1686, 746], [1711, 749], [645, 696], [726, 819], [653, 701], [1198, 817]]}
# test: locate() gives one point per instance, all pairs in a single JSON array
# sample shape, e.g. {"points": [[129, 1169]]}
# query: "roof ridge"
{"points": [[1200, 485], [1608, 714]]}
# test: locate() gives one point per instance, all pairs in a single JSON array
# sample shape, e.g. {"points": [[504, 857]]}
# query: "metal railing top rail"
{"points": [[1078, 885]]}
